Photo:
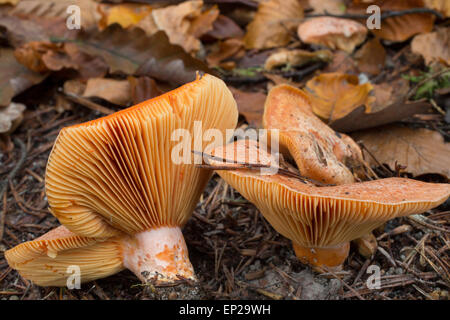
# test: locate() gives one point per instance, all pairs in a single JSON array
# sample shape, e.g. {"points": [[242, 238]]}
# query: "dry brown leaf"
{"points": [[371, 57], [271, 24], [389, 106], [250, 105], [143, 88], [58, 9], [440, 5], [43, 56], [115, 91], [224, 27], [125, 14], [334, 33], [11, 117], [399, 28], [133, 52], [183, 23], [14, 77], [434, 46], [296, 58], [423, 151], [12, 2], [225, 50], [334, 95]]}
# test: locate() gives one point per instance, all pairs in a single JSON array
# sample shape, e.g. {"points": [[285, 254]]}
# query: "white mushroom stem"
{"points": [[158, 255]]}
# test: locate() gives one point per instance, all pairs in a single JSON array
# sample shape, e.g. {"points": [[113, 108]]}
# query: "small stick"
{"points": [[23, 154], [383, 16]]}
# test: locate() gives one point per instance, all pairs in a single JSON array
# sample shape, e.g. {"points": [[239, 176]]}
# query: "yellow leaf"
{"points": [[334, 95], [126, 14]]}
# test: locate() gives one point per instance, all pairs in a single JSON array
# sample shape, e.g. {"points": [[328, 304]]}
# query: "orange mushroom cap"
{"points": [[46, 260], [334, 33], [324, 218], [116, 175], [319, 152]]}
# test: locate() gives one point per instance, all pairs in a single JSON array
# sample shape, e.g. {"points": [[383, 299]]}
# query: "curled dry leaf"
{"points": [[271, 24], [434, 46], [250, 105], [334, 95], [11, 117], [115, 91], [423, 151], [371, 57], [334, 33], [14, 77], [183, 23], [296, 58], [133, 52]]}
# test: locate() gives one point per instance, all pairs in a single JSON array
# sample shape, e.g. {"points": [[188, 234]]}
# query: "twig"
{"points": [[345, 284], [414, 89], [385, 15], [87, 103]]}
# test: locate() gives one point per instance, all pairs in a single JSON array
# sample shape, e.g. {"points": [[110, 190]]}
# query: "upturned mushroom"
{"points": [[320, 152], [321, 221], [334, 33], [113, 183]]}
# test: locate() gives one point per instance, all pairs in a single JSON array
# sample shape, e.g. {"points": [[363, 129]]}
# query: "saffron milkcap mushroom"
{"points": [[117, 177], [321, 221], [334, 33], [319, 152], [47, 259]]}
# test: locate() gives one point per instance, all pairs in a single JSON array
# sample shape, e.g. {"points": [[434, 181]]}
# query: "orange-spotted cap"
{"points": [[48, 259], [319, 152], [118, 173], [327, 216]]}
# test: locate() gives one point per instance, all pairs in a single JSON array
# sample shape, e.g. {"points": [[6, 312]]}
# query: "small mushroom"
{"points": [[334, 33], [116, 177], [321, 221], [319, 152]]}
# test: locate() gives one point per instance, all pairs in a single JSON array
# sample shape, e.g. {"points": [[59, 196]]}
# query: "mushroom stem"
{"points": [[330, 257], [158, 255]]}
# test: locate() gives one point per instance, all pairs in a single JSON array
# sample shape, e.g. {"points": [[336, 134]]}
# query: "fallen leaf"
{"points": [[296, 58], [125, 14], [399, 28], [12, 2], [371, 57], [19, 31], [225, 50], [270, 26], [43, 56], [143, 88], [250, 105], [442, 6], [58, 9], [183, 23], [14, 77], [224, 27], [342, 62], [11, 117], [389, 106], [422, 151], [334, 33], [434, 46], [334, 95], [115, 91], [133, 52]]}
